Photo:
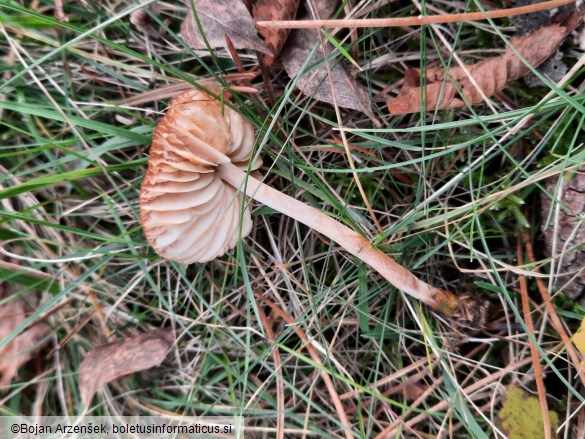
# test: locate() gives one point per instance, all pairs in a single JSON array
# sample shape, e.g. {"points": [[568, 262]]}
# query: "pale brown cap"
{"points": [[188, 213]]}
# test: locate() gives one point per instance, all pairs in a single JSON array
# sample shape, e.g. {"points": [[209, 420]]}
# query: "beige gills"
{"points": [[187, 212]]}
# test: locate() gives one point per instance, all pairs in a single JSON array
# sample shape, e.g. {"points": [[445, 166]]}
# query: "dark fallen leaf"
{"points": [[528, 23], [570, 233], [348, 92], [25, 345], [553, 68], [122, 357], [144, 23], [274, 10], [221, 18], [491, 74]]}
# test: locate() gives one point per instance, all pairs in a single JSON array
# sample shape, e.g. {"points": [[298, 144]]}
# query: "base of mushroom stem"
{"points": [[465, 311]]}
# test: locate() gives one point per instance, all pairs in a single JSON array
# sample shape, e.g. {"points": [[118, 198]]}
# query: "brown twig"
{"points": [[421, 20], [234, 54], [317, 359], [277, 368], [533, 350], [554, 318]]}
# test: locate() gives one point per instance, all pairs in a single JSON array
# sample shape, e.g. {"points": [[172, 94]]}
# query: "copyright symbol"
{"points": [[15, 428]]}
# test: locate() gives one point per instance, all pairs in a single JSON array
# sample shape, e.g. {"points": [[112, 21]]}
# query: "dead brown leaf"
{"points": [[315, 83], [25, 345], [144, 23], [491, 74], [122, 357], [570, 233], [274, 10], [221, 18]]}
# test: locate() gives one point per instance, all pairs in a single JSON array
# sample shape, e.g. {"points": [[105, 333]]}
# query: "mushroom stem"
{"points": [[445, 302]]}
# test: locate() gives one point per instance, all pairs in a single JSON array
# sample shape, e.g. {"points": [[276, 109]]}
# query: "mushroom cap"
{"points": [[187, 212]]}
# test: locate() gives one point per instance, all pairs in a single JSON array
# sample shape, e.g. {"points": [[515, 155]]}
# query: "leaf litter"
{"points": [[144, 23], [315, 83], [26, 345], [220, 19], [274, 10], [122, 357], [454, 88]]}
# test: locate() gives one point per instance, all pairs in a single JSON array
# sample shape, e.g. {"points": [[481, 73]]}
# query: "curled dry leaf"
{"points": [[491, 74], [274, 10], [25, 345], [570, 233], [221, 18], [122, 357], [348, 92]]}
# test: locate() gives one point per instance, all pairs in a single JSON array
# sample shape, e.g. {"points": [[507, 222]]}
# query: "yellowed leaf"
{"points": [[579, 338], [522, 418]]}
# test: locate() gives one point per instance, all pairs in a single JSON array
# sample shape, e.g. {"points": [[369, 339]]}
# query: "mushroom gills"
{"points": [[177, 201], [204, 232], [199, 149], [169, 217], [211, 245], [174, 175], [181, 186]]}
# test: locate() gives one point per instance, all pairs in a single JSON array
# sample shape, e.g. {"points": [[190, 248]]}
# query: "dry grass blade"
{"points": [[392, 429], [491, 75], [554, 317], [123, 357], [170, 91], [219, 18]]}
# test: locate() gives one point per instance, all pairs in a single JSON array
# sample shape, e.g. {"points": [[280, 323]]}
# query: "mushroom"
{"points": [[192, 203]]}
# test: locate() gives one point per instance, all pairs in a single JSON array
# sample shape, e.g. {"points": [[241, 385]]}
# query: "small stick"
{"points": [[421, 20], [554, 317], [533, 350]]}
